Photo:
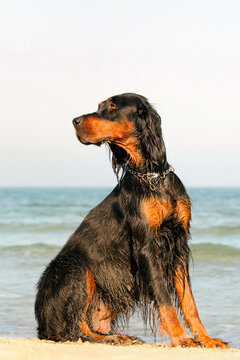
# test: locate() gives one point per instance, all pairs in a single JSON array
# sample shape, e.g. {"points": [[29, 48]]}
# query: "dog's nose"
{"points": [[77, 121]]}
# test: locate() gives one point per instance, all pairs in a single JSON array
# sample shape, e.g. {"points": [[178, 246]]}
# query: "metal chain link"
{"points": [[150, 178]]}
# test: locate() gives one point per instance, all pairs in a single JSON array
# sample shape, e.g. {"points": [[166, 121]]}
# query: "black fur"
{"points": [[132, 264]]}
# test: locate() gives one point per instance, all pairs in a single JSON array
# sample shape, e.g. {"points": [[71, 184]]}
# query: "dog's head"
{"points": [[131, 127]]}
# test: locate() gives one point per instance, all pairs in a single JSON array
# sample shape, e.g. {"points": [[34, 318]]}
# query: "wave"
{"points": [[204, 251], [33, 249], [218, 230], [36, 227], [45, 227], [215, 252]]}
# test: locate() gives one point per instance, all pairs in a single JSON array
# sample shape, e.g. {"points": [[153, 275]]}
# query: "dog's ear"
{"points": [[147, 113], [149, 133], [148, 116]]}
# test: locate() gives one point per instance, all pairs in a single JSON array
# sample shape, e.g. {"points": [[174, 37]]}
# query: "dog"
{"points": [[131, 251]]}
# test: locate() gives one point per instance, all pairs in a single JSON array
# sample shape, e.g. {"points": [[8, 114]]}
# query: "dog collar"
{"points": [[151, 178]]}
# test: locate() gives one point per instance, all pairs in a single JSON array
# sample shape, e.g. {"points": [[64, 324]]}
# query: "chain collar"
{"points": [[151, 179]]}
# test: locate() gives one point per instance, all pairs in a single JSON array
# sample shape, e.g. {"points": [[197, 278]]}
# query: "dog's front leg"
{"points": [[190, 313], [171, 325], [155, 288]]}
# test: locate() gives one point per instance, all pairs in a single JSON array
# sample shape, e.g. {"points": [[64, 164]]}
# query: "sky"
{"points": [[59, 59]]}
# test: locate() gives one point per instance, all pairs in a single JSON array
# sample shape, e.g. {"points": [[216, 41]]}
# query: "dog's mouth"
{"points": [[85, 142]]}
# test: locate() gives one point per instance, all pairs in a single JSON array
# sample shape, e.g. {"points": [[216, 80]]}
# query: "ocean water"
{"points": [[36, 222]]}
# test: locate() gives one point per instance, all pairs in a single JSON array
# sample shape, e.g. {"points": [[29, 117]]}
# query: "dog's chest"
{"points": [[155, 211]]}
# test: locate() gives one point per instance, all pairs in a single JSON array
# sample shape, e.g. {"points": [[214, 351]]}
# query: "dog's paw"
{"points": [[121, 339], [184, 342], [210, 343], [136, 341]]}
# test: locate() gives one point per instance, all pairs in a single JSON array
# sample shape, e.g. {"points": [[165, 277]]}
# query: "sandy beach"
{"points": [[28, 349]]}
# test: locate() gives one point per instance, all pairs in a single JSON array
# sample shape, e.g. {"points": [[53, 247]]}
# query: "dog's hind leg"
{"points": [[114, 339], [96, 320]]}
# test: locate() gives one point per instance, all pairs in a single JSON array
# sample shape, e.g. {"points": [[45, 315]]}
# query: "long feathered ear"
{"points": [[149, 133]]}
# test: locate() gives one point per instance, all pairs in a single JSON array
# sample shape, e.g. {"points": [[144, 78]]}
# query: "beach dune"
{"points": [[28, 349]]}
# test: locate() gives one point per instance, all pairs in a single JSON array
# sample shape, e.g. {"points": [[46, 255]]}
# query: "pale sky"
{"points": [[58, 59]]}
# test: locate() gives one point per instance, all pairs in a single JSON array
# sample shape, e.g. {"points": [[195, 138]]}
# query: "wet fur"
{"points": [[132, 263]]}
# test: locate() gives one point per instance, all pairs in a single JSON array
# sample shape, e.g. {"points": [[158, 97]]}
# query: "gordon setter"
{"points": [[131, 251]]}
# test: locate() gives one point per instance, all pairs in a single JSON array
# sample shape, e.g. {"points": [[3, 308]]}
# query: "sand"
{"points": [[33, 349]]}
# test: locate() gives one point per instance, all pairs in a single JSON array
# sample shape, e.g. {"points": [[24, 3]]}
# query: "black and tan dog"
{"points": [[132, 249]]}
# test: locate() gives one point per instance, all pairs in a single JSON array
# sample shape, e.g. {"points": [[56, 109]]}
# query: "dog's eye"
{"points": [[113, 107]]}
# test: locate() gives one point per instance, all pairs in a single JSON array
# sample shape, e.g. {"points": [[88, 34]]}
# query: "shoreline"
{"points": [[21, 349]]}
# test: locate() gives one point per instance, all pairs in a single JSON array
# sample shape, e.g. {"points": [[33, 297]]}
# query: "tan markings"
{"points": [[155, 211], [115, 338], [101, 318], [171, 325], [90, 287], [94, 130], [183, 213], [186, 300], [86, 331], [129, 146], [190, 312]]}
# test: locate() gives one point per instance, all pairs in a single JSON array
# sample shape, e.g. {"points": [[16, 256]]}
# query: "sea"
{"points": [[36, 222]]}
